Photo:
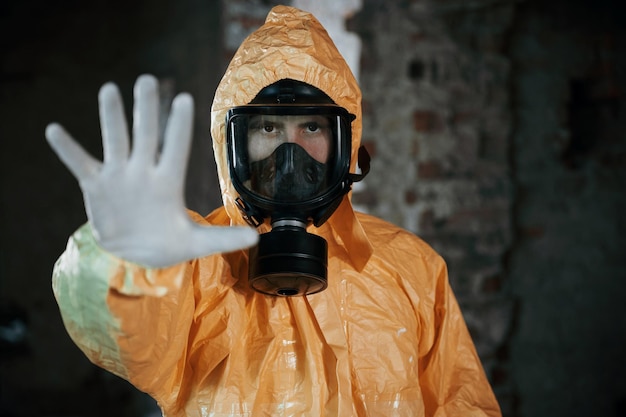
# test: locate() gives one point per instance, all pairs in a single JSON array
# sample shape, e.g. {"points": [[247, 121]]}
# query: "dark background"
{"points": [[55, 56]]}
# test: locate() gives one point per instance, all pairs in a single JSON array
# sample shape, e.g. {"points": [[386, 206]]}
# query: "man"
{"points": [[332, 313]]}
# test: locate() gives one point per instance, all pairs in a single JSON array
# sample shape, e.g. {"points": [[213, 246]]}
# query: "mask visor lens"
{"points": [[287, 157]]}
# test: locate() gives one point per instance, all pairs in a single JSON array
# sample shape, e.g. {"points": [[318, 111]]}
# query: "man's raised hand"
{"points": [[135, 198]]}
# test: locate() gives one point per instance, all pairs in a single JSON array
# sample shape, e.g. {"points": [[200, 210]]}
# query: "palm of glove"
{"points": [[134, 200]]}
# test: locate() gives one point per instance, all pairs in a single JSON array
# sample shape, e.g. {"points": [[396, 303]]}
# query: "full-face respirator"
{"points": [[289, 159]]}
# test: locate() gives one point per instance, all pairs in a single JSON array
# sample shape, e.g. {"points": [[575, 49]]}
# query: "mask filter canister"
{"points": [[288, 261]]}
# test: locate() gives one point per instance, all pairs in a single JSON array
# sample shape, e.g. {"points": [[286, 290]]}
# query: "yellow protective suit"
{"points": [[385, 339]]}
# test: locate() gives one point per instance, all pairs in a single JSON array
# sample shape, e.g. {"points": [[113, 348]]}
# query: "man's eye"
{"points": [[312, 127]]}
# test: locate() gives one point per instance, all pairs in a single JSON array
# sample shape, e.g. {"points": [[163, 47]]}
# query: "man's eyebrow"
{"points": [[256, 120], [321, 121]]}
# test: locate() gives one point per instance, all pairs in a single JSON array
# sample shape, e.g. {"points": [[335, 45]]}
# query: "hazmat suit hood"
{"points": [[291, 44]]}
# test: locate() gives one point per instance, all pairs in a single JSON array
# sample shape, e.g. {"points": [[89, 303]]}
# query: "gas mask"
{"points": [[289, 159]]}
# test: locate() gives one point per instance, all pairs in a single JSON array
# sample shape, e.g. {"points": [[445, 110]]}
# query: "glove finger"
{"points": [[178, 137], [207, 240], [76, 159], [113, 124], [145, 119]]}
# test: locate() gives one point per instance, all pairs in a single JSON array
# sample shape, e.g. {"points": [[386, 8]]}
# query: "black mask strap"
{"points": [[363, 163]]}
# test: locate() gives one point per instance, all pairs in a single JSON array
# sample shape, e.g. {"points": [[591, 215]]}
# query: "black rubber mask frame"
{"points": [[302, 204]]}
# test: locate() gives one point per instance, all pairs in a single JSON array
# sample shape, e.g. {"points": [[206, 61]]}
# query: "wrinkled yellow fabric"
{"points": [[386, 338]]}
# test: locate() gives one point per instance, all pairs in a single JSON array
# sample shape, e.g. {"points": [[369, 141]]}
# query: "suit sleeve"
{"points": [[130, 320], [451, 375]]}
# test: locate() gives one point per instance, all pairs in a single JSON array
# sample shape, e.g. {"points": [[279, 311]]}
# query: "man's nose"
{"points": [[293, 135]]}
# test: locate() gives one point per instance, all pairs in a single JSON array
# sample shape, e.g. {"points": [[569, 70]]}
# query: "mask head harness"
{"points": [[289, 160]]}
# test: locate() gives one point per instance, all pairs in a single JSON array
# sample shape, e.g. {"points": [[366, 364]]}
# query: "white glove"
{"points": [[135, 203]]}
